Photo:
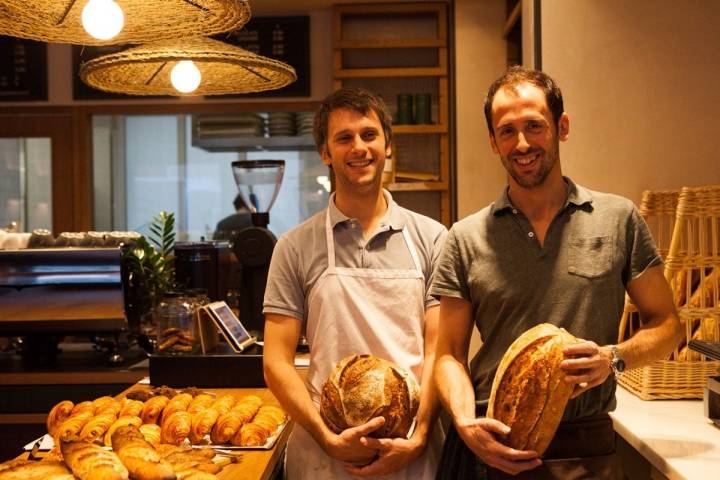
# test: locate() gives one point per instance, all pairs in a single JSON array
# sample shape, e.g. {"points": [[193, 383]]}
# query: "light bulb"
{"points": [[185, 76], [102, 19]]}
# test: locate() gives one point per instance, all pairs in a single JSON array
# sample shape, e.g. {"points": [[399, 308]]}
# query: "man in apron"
{"points": [[547, 250], [354, 278]]}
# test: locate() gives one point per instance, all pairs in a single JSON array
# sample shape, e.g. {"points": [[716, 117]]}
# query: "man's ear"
{"points": [[564, 127], [493, 145], [326, 158], [388, 150]]}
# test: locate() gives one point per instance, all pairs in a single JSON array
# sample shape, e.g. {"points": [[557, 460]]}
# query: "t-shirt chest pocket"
{"points": [[590, 257]]}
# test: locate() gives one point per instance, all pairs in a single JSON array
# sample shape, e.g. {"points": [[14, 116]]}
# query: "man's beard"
{"points": [[547, 163]]}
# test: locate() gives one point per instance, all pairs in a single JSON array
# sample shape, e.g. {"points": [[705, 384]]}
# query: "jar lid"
{"points": [[172, 294]]}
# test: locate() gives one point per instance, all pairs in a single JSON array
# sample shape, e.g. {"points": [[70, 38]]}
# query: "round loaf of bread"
{"points": [[529, 393], [362, 387]]}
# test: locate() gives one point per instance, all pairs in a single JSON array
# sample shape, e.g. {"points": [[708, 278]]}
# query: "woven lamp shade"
{"points": [[59, 21], [225, 69]]}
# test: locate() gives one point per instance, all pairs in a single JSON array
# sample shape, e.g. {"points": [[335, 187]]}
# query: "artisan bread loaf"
{"points": [[529, 393], [362, 387]]}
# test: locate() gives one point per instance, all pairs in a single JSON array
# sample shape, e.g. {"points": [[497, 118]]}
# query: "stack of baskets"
{"points": [[686, 228]]}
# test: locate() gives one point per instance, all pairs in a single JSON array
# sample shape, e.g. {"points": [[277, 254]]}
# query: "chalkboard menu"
{"points": [[281, 38], [23, 70]]}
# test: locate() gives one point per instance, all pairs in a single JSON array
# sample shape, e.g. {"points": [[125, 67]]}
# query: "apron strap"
{"points": [[329, 239]]}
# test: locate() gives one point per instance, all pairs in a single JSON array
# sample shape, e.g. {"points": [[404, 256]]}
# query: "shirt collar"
{"points": [[576, 195], [392, 219]]}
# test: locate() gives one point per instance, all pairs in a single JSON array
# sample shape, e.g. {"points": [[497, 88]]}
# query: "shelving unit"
{"points": [[393, 49]]}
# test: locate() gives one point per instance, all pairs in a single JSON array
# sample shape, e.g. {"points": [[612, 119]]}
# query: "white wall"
{"points": [[641, 84], [479, 59]]}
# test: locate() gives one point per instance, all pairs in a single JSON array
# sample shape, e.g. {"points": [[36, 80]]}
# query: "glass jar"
{"points": [[175, 323]]}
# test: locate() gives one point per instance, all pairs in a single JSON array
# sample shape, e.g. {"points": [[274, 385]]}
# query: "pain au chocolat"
{"points": [[362, 387], [529, 393]]}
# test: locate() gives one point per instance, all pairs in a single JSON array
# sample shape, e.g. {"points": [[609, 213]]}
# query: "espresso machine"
{"points": [[258, 183]]}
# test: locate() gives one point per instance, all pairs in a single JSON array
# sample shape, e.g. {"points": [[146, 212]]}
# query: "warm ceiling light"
{"points": [[185, 76], [61, 21], [102, 19]]}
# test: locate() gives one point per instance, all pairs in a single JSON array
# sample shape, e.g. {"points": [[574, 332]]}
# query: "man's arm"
{"points": [[458, 395], [658, 336], [281, 337], [396, 453]]}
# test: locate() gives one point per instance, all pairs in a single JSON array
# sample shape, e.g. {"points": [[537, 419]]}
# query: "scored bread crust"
{"points": [[529, 393], [362, 387]]}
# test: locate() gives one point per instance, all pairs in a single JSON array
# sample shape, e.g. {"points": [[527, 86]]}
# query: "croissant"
{"points": [[153, 408], [57, 415], [226, 427], [200, 403], [120, 422], [32, 470], [151, 432], [266, 422], [103, 403], [71, 427], [224, 404], [245, 411], [130, 408], [202, 424], [179, 403], [175, 428], [85, 406], [250, 435], [276, 413], [96, 426], [139, 456], [89, 461]]}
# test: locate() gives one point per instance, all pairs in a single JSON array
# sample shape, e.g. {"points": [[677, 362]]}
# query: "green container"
{"points": [[422, 109], [404, 109]]}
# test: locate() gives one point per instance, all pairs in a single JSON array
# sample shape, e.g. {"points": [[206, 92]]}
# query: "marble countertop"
{"points": [[675, 436]]}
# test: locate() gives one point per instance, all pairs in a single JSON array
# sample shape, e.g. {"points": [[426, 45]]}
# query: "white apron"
{"points": [[357, 311]]}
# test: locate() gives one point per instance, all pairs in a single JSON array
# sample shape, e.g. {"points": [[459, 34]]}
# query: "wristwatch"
{"points": [[617, 363]]}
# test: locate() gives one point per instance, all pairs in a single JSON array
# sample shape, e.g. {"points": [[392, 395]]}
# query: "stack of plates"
{"points": [[281, 124], [304, 123]]}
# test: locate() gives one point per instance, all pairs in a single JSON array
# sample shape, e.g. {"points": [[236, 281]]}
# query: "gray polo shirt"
{"points": [[595, 245], [300, 256]]}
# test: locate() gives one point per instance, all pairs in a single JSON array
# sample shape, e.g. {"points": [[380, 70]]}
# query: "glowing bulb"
{"points": [[102, 19], [185, 76]]}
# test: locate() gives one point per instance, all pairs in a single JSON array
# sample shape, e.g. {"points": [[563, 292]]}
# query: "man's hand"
{"points": [[393, 454], [479, 434], [347, 446], [586, 365]]}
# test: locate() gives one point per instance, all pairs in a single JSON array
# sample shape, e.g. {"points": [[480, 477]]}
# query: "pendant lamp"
{"points": [[224, 69], [60, 21]]}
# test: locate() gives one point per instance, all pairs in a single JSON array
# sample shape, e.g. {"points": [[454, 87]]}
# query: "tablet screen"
{"points": [[230, 325]]}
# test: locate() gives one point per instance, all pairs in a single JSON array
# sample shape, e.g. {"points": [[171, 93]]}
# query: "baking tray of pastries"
{"points": [[163, 415]]}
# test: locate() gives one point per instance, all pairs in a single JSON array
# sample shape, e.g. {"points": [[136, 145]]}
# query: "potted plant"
{"points": [[148, 272]]}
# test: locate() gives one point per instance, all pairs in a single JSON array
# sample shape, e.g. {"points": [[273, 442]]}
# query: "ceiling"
{"points": [[275, 7]]}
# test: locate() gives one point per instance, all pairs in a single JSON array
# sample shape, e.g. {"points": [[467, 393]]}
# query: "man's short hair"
{"points": [[356, 99], [517, 75]]}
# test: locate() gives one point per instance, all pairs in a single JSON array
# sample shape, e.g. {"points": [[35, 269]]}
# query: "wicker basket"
{"points": [[692, 267]]}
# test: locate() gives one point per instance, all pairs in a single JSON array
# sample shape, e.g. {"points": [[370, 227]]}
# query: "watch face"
{"points": [[619, 365]]}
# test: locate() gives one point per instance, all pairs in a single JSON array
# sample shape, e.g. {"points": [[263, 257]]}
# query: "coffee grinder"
{"points": [[258, 182]]}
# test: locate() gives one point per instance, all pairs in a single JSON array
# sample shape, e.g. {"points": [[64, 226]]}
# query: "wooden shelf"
{"points": [[391, 72], [416, 186], [418, 129], [391, 43], [416, 27]]}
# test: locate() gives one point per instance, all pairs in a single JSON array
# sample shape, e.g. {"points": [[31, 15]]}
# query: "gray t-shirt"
{"points": [[300, 256], [595, 245]]}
